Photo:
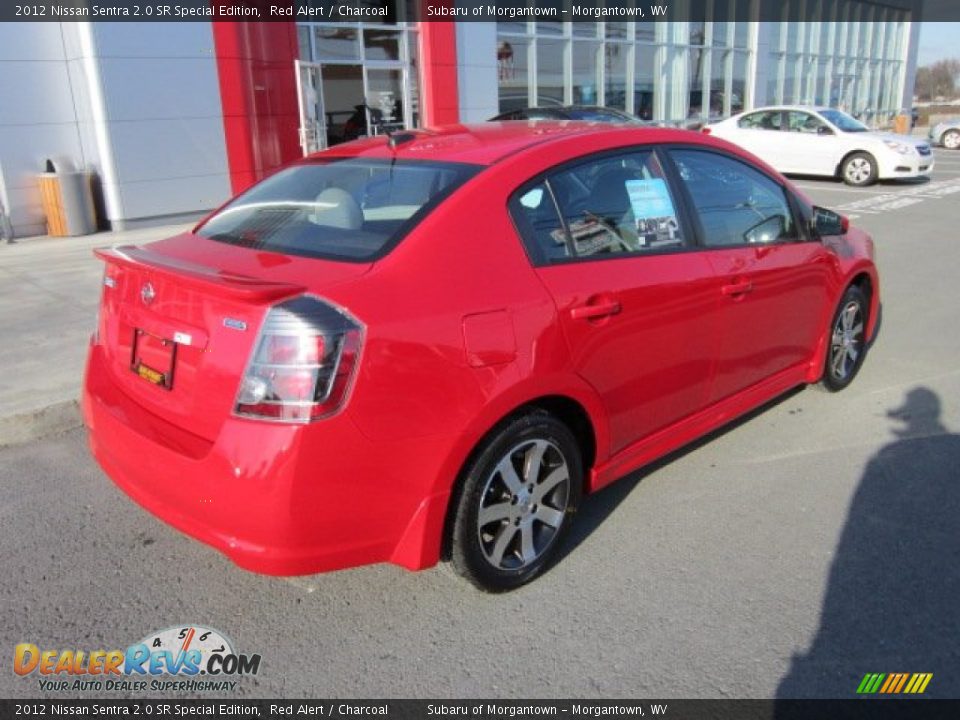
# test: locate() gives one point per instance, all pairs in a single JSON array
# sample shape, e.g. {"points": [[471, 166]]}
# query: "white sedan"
{"points": [[825, 141]]}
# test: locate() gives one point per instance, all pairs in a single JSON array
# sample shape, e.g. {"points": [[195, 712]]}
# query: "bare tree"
{"points": [[938, 79]]}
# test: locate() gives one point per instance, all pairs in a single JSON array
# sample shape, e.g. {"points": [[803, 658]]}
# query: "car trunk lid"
{"points": [[179, 319]]}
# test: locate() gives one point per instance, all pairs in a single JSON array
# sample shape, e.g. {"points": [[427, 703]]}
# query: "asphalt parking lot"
{"points": [[807, 545]]}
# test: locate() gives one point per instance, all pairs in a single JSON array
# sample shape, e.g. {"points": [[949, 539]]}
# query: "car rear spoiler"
{"points": [[231, 285]]}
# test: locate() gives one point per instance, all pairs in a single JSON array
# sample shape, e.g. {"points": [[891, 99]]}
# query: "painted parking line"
{"points": [[898, 200], [856, 191]]}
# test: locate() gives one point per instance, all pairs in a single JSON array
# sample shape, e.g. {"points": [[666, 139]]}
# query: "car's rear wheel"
{"points": [[847, 344], [859, 170], [516, 502], [951, 139]]}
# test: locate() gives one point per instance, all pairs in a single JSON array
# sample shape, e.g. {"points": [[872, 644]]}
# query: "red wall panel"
{"points": [[438, 76], [258, 93]]}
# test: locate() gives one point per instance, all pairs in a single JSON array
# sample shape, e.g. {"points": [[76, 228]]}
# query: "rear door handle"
{"points": [[595, 310], [738, 288]]}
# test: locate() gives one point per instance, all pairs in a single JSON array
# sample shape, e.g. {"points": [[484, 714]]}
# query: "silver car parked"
{"points": [[946, 133]]}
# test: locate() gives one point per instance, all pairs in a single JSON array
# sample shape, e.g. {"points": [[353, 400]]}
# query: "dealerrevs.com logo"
{"points": [[188, 658]]}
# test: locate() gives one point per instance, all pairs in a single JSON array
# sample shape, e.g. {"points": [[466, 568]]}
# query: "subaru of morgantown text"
{"points": [[430, 346]]}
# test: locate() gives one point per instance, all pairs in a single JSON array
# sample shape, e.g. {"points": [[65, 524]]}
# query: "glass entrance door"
{"points": [[313, 131]]}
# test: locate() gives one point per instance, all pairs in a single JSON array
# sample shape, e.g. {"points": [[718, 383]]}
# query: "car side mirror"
{"points": [[824, 130], [827, 222]]}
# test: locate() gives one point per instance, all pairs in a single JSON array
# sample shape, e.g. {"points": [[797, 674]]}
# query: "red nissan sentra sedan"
{"points": [[429, 346]]}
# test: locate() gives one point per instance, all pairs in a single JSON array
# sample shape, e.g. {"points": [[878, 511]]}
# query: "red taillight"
{"points": [[844, 223], [303, 362], [706, 130]]}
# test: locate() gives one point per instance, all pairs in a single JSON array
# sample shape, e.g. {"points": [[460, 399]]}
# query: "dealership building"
{"points": [[173, 117]]}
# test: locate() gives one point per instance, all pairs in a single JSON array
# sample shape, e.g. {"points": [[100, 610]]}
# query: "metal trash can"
{"points": [[67, 199]]}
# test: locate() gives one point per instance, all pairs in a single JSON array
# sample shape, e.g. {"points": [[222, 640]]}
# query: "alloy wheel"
{"points": [[523, 505], [951, 140], [859, 170], [847, 340]]}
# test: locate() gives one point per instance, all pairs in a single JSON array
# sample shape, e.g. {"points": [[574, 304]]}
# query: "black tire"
{"points": [[537, 446], [859, 170], [846, 336], [951, 139]]}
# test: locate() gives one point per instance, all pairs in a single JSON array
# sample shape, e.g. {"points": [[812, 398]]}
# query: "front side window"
{"points": [[765, 120], [802, 122], [617, 204], [340, 208], [735, 203]]}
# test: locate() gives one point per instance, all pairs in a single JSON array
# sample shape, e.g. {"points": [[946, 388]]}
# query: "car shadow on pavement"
{"points": [[886, 182], [892, 603], [597, 507]]}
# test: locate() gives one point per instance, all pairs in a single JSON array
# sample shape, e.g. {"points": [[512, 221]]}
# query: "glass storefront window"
{"points": [[698, 104], [720, 35], [719, 101], [550, 28], [303, 42], [644, 81], [774, 79], [586, 29], [550, 73], [645, 32], [697, 33], [790, 79], [738, 84], [586, 73], [385, 99], [413, 48], [823, 82], [616, 30], [741, 34], [615, 75], [513, 76], [381, 45], [511, 27], [337, 43]]}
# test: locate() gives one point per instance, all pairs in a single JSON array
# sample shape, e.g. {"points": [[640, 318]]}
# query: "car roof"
{"points": [[807, 108], [486, 143]]}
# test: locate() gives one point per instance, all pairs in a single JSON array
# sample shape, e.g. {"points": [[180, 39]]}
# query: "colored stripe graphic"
{"points": [[894, 683], [903, 680]]}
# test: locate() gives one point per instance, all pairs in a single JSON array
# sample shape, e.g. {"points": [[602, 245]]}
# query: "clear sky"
{"points": [[938, 40]]}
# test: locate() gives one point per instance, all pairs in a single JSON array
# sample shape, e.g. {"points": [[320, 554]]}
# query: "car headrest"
{"points": [[336, 208]]}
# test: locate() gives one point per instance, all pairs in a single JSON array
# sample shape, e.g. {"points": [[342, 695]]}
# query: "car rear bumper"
{"points": [[275, 498]]}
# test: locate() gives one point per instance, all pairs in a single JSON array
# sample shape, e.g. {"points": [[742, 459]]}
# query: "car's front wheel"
{"points": [[951, 139], [859, 170], [516, 502], [847, 344]]}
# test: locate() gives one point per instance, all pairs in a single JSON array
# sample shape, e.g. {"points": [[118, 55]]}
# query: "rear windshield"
{"points": [[338, 208]]}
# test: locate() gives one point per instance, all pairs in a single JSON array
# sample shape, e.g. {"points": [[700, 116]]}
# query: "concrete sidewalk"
{"points": [[49, 292]]}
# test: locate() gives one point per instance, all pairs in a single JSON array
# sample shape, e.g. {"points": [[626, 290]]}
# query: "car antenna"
{"points": [[399, 137]]}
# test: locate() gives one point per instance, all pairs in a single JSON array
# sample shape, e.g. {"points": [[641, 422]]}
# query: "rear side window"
{"points": [[613, 205], [343, 209], [735, 204], [765, 120]]}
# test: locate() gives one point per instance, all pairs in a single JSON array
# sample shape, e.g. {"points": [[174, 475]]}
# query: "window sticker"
{"points": [[653, 212]]}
